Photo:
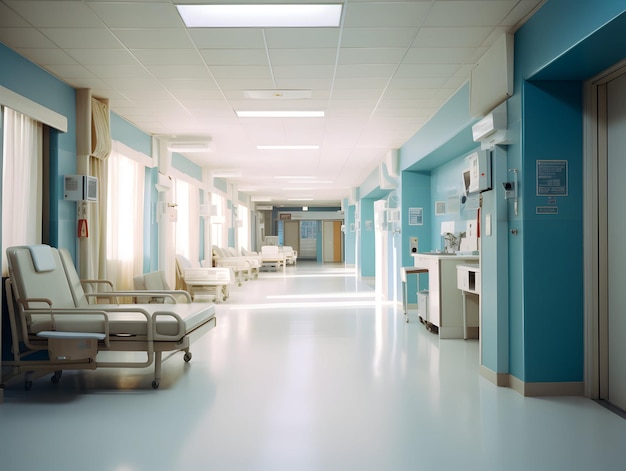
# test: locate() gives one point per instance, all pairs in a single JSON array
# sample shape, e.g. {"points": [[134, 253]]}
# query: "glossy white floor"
{"points": [[305, 371]]}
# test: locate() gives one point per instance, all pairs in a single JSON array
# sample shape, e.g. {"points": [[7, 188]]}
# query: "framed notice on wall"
{"points": [[416, 216], [552, 178]]}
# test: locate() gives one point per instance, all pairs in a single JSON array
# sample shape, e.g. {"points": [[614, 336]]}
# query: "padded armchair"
{"points": [[155, 283]]}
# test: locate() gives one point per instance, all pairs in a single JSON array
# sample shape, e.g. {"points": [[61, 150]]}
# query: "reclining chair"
{"points": [[53, 327]]}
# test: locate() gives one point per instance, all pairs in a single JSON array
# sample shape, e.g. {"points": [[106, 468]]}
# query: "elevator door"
{"points": [[616, 222]]}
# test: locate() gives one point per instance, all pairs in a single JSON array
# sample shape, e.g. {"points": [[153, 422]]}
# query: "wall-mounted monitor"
{"points": [[80, 188]]}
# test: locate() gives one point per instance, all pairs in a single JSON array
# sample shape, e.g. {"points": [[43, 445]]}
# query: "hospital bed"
{"points": [[54, 327], [203, 282], [272, 257]]}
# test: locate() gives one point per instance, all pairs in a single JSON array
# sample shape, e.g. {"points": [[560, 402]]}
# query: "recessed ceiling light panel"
{"points": [[301, 147], [261, 16]]}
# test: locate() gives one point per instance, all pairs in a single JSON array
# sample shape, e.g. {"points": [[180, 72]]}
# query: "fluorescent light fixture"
{"points": [[299, 199], [294, 188], [294, 177], [226, 173], [190, 147], [278, 94], [287, 147], [261, 16], [280, 114], [310, 181], [305, 208]]}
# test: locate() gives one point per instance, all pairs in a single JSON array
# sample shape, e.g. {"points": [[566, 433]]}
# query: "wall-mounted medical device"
{"points": [[477, 177], [510, 189], [80, 188], [413, 245]]}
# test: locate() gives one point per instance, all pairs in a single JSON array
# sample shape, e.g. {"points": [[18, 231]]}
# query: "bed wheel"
{"points": [[56, 377], [187, 356], [28, 385], [155, 384]]}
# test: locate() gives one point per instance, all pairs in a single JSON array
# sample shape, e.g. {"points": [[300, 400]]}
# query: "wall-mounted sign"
{"points": [[285, 216], [552, 178], [416, 216]]}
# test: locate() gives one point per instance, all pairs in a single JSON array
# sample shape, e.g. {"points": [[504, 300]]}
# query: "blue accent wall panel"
{"points": [[182, 163], [552, 244], [350, 237], [130, 135]]}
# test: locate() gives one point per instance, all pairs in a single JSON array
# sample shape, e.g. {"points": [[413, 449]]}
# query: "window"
{"points": [[187, 231], [22, 181], [124, 235], [243, 227], [218, 220]]}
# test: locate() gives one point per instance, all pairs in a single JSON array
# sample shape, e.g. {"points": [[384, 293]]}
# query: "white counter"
{"points": [[445, 301]]}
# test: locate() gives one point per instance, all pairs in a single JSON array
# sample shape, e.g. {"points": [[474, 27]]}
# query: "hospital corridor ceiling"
{"points": [[378, 76]]}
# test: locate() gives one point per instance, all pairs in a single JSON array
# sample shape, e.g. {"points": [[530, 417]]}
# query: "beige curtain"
{"points": [[21, 182], [101, 145]]}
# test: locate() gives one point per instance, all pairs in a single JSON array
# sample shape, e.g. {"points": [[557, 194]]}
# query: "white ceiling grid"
{"points": [[379, 77]]}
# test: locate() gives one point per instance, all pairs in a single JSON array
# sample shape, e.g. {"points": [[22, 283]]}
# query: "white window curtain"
{"points": [[243, 227], [124, 228], [21, 181], [187, 230], [218, 220]]}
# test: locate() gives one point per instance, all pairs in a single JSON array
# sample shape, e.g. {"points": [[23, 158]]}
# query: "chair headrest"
{"points": [[42, 256]]}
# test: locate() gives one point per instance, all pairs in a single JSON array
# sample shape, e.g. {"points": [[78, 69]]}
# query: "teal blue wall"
{"points": [[350, 235], [447, 185], [415, 193]]}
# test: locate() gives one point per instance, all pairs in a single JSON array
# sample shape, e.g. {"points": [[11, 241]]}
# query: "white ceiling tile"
{"points": [[229, 83], [171, 57], [408, 82], [469, 12], [319, 56], [357, 83], [227, 38], [47, 56], [138, 14], [361, 55], [296, 38], [86, 38], [385, 14], [418, 55], [378, 37], [160, 38], [303, 71], [304, 83], [10, 19], [240, 72], [366, 70], [199, 87], [235, 56], [427, 70], [63, 14], [70, 71], [117, 70], [185, 72], [102, 56], [452, 37], [30, 38]]}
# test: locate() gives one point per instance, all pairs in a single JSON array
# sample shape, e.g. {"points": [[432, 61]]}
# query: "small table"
{"points": [[406, 271]]}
